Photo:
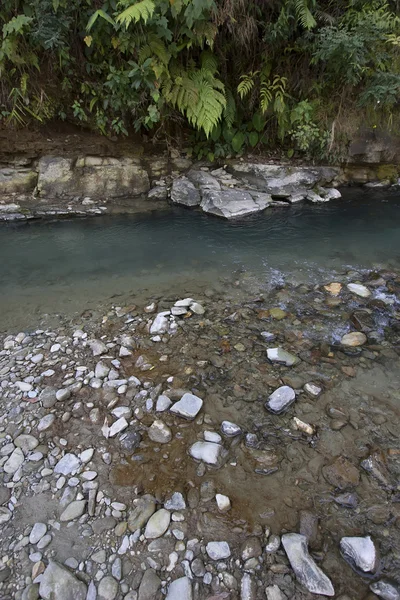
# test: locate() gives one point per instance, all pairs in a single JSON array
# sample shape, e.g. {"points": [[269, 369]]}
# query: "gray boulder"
{"points": [[184, 192], [234, 203], [388, 590], [180, 589], [60, 584], [304, 567]]}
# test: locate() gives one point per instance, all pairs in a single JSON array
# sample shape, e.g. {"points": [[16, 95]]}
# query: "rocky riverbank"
{"points": [[224, 447], [93, 185]]}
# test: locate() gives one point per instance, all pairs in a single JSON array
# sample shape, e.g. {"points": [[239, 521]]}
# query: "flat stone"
{"points": [[197, 308], [98, 347], [63, 395], [282, 357], [180, 589], [212, 436], [38, 531], [159, 432], [108, 588], [74, 510], [144, 509], [280, 399], [304, 567], [48, 397], [119, 425], [360, 552], [5, 515], [359, 290], [46, 422], [58, 583], [333, 288], [312, 390], [31, 592], [388, 590], [157, 524], [218, 550], [233, 203], [68, 464], [185, 192], [207, 452], [273, 592], [341, 474], [230, 429], [188, 406], [14, 462], [355, 338]]}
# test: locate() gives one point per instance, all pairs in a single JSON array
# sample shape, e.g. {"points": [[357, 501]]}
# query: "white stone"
{"points": [[230, 429], [117, 427], [223, 502], [207, 452], [218, 550], [163, 403], [160, 433], [360, 551], [14, 462], [212, 436], [160, 324], [180, 589], [38, 531], [188, 406], [281, 399], [158, 524], [359, 290], [46, 422], [67, 465], [304, 567]]}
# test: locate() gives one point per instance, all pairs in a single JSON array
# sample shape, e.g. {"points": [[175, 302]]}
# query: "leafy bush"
{"points": [[230, 74]]}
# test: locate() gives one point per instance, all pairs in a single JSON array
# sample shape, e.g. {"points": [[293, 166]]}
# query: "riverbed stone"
{"points": [[158, 524], [26, 442], [68, 464], [359, 290], [149, 585], [280, 400], [74, 510], [58, 583], [14, 462], [281, 356], [304, 567], [388, 590], [144, 508], [160, 323], [207, 452], [230, 429], [218, 550], [159, 432], [163, 403], [360, 552], [185, 192], [180, 589], [341, 474], [354, 339], [38, 531], [188, 406], [176, 502], [108, 588]]}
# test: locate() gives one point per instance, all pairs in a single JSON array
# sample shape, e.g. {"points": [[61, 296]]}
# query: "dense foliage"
{"points": [[294, 74]]}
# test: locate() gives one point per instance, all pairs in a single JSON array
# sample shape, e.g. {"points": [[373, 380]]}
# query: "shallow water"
{"points": [[67, 266]]}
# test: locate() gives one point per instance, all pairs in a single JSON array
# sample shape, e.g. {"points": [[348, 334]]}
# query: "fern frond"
{"points": [[229, 113], [209, 62], [304, 15], [141, 11], [246, 84], [265, 95]]}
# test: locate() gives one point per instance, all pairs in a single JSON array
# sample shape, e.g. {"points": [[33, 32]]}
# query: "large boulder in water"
{"points": [[185, 192], [233, 203]]}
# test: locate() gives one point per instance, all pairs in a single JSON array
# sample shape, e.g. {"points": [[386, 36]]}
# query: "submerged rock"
{"points": [[341, 474], [360, 552], [207, 452], [188, 406], [359, 290], [282, 357], [280, 399], [353, 339], [304, 567], [385, 589], [160, 433], [144, 508], [58, 583], [230, 429]]}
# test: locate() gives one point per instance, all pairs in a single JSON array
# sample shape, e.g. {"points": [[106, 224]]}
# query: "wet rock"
{"points": [[177, 502], [163, 403], [98, 347], [180, 589], [273, 592], [160, 324], [218, 550], [160, 433], [248, 588], [230, 429], [341, 474], [347, 500], [386, 589], [251, 548], [188, 406], [359, 290], [31, 592], [108, 588], [304, 567], [309, 526], [312, 390], [333, 288], [354, 339], [360, 552], [131, 441], [207, 452], [157, 524], [374, 465], [144, 508], [282, 357], [149, 585], [185, 192], [280, 399], [58, 583], [273, 545]]}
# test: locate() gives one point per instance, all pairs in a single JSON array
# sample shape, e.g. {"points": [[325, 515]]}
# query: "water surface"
{"points": [[68, 266]]}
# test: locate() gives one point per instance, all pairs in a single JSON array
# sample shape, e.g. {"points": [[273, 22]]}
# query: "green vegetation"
{"points": [[229, 75]]}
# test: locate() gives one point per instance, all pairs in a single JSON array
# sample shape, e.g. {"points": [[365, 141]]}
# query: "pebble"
{"points": [[14, 462], [359, 290], [67, 465], [188, 406], [280, 400], [230, 429], [207, 452], [360, 552], [388, 590], [223, 502], [158, 524], [304, 567], [73, 510], [108, 588], [354, 339], [282, 357], [176, 502], [163, 403], [160, 433], [46, 422], [38, 531]]}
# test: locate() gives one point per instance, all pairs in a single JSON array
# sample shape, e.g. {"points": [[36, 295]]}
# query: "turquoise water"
{"points": [[67, 266]]}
